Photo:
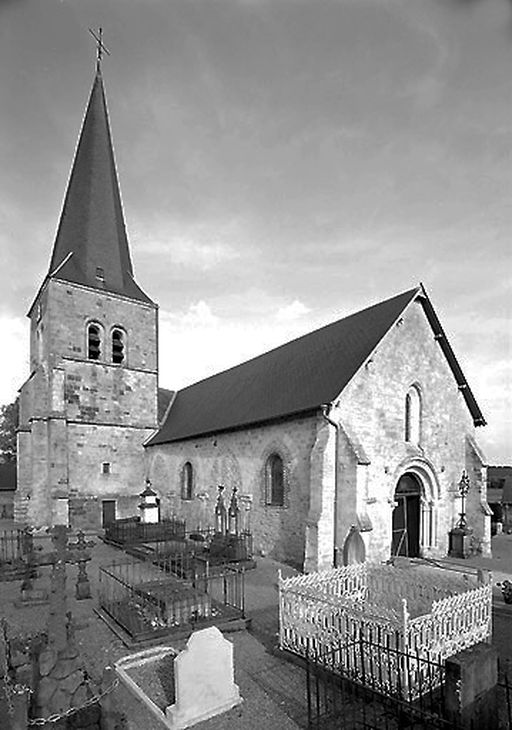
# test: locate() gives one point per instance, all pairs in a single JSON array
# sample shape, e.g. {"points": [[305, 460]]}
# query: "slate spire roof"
{"points": [[298, 377], [91, 245]]}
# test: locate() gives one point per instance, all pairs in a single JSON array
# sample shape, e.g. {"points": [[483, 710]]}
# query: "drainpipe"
{"points": [[326, 409]]}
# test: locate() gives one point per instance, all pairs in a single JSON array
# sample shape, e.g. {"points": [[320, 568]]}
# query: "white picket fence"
{"points": [[424, 616]]}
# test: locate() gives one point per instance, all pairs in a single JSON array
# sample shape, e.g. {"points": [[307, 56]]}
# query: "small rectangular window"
{"points": [[106, 467]]}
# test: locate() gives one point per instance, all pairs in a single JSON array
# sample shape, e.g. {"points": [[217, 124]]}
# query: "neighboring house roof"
{"points": [[501, 475], [164, 398], [8, 476], [297, 377], [91, 245]]}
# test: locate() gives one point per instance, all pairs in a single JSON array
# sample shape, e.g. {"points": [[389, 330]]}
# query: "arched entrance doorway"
{"points": [[406, 517]]}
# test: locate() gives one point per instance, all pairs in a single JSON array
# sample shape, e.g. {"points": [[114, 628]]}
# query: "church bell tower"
{"points": [[91, 397]]}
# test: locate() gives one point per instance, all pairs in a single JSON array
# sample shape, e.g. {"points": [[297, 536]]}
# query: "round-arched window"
{"points": [[413, 415], [118, 346], [187, 481], [274, 477], [94, 338]]}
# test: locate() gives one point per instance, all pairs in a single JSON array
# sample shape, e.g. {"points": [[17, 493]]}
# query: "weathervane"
{"points": [[100, 47]]}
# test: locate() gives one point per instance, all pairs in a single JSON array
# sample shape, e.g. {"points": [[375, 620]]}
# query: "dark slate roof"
{"points": [[164, 398], [294, 378], [91, 232], [7, 476], [297, 377]]}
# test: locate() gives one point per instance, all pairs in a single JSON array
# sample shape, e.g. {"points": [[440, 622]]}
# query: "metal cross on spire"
{"points": [[100, 47]]}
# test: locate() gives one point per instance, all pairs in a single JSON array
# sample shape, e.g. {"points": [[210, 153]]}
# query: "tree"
{"points": [[9, 418]]}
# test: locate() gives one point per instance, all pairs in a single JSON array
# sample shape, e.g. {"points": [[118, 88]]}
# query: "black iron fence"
{"points": [[371, 684], [187, 556], [148, 602], [12, 546], [368, 685], [131, 531], [505, 696]]}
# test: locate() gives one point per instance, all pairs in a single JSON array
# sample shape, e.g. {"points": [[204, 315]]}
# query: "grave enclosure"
{"points": [[424, 614], [173, 581]]}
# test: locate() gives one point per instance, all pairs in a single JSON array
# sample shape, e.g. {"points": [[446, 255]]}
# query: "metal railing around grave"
{"points": [[504, 696], [148, 602], [12, 546], [132, 531], [347, 693], [323, 610], [186, 556], [344, 688]]}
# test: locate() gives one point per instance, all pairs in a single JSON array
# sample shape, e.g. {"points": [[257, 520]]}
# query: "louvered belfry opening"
{"points": [[117, 347], [93, 342]]}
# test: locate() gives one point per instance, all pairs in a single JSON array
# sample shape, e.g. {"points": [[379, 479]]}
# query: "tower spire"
{"points": [[91, 246], [100, 47]]}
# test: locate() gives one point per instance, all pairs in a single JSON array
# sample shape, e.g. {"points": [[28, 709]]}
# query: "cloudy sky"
{"points": [[282, 164]]}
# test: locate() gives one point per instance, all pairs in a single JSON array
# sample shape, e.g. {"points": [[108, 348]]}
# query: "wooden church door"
{"points": [[406, 518]]}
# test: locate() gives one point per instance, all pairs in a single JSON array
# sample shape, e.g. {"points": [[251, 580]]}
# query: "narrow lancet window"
{"points": [[117, 347], [187, 479], [413, 416], [94, 342], [275, 481]]}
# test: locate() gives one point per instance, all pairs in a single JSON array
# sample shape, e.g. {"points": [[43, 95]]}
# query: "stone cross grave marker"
{"points": [[63, 553], [203, 679]]}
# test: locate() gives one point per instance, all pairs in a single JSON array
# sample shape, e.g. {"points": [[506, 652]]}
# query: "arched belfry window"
{"points": [[187, 481], [274, 478], [94, 341], [118, 346], [413, 415]]}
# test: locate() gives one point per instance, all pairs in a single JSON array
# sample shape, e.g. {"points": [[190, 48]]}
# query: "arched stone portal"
{"points": [[406, 517]]}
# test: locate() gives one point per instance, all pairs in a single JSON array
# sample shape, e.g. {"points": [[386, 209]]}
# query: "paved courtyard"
{"points": [[273, 689]]}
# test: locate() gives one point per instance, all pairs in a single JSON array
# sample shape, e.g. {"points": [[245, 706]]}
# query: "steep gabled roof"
{"points": [[297, 377], [294, 378], [91, 246], [164, 398]]}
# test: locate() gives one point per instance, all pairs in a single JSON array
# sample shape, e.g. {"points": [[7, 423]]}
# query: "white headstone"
{"points": [[203, 679]]}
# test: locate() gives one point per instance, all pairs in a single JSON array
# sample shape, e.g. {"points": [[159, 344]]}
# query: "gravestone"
{"points": [[203, 679], [64, 552]]}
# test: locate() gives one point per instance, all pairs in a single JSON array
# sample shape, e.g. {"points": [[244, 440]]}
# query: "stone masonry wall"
{"points": [[372, 455], [238, 459], [373, 407], [92, 446], [77, 414], [66, 309]]}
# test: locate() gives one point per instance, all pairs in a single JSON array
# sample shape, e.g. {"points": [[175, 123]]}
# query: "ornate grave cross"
{"points": [[73, 552], [233, 514], [220, 512]]}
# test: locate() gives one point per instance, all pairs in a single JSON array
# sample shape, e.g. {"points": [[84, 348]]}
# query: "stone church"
{"points": [[346, 444]]}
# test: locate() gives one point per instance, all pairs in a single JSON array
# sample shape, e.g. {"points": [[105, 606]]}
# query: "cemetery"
{"points": [[379, 645], [344, 615], [148, 602]]}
